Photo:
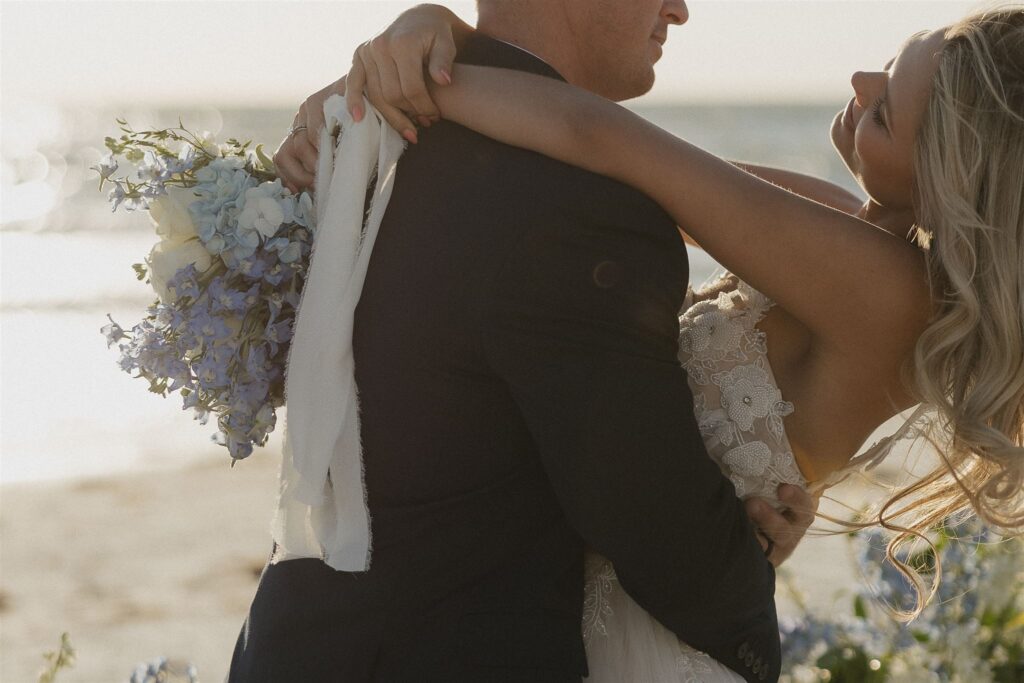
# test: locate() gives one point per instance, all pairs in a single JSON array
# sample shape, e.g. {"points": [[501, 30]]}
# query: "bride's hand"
{"points": [[785, 528], [296, 156], [390, 67]]}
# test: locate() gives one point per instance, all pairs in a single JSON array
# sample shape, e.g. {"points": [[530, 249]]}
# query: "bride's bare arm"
{"points": [[856, 287], [821, 191]]}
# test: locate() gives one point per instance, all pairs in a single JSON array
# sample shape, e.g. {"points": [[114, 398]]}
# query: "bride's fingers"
{"points": [[313, 110], [304, 152], [776, 527], [801, 506], [291, 171], [414, 87], [394, 116], [391, 83], [355, 85]]}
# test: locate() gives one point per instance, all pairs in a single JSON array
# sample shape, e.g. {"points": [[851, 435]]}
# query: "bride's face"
{"points": [[875, 133]]}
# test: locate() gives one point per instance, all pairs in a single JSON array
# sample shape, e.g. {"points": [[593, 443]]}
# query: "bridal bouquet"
{"points": [[227, 271], [972, 632]]}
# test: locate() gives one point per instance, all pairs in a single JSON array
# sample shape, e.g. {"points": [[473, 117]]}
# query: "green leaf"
{"points": [[55, 661], [267, 162], [859, 608], [140, 271]]}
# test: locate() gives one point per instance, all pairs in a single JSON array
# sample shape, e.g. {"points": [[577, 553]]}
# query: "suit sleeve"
{"points": [[582, 325]]}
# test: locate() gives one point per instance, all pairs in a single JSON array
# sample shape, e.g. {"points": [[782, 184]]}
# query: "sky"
{"points": [[246, 53]]}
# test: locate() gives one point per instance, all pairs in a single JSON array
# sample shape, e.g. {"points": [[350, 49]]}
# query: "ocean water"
{"points": [[66, 410]]}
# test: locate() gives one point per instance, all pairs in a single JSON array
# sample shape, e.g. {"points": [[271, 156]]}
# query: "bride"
{"points": [[836, 314]]}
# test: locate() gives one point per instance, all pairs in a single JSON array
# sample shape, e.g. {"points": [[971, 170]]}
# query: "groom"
{"points": [[521, 400]]}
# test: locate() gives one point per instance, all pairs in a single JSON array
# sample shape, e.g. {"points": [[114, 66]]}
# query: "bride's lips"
{"points": [[848, 122]]}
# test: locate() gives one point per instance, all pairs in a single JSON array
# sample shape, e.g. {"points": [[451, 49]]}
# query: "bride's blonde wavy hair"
{"points": [[968, 364]]}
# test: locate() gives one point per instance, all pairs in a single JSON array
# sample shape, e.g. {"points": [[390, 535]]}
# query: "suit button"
{"points": [[749, 659], [763, 675], [757, 664], [744, 648]]}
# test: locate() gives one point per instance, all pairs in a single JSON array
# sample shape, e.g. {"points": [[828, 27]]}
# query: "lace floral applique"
{"points": [[692, 664], [749, 392], [600, 582]]}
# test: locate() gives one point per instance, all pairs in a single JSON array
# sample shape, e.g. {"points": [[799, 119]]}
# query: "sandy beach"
{"points": [[166, 563], [133, 567]]}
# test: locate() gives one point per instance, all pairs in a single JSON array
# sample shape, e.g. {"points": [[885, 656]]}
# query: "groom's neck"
{"points": [[540, 27]]}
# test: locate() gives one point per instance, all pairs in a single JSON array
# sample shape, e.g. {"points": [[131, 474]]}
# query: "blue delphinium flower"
{"points": [[185, 160], [184, 283], [113, 332], [278, 333], [278, 273], [192, 401], [168, 316], [211, 370], [161, 669], [238, 444], [208, 326], [224, 298], [258, 363], [253, 266], [117, 195], [107, 166], [153, 169]]}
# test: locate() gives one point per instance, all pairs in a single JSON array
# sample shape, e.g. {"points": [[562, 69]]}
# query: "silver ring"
{"points": [[295, 129]]}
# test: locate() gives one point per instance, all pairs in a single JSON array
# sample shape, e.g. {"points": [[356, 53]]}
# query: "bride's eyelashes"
{"points": [[876, 112]]}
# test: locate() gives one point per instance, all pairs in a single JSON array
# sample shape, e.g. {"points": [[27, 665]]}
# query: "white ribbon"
{"points": [[317, 517]]}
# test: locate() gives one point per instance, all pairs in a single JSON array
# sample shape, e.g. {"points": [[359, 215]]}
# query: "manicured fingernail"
{"points": [[410, 135], [446, 76], [357, 113]]}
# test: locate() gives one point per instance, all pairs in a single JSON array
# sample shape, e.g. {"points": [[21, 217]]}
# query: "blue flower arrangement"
{"points": [[972, 632], [227, 272]]}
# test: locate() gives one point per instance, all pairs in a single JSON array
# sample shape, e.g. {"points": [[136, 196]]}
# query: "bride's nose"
{"points": [[868, 86]]}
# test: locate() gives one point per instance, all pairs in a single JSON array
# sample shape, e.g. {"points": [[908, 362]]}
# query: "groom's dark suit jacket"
{"points": [[521, 399]]}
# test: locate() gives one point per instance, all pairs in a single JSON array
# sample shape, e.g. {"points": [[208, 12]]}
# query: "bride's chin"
{"points": [[836, 130], [839, 141]]}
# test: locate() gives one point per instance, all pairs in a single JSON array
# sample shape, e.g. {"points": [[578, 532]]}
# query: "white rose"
{"points": [[170, 214], [170, 256]]}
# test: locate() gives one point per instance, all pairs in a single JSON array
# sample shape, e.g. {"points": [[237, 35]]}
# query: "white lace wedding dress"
{"points": [[739, 410]]}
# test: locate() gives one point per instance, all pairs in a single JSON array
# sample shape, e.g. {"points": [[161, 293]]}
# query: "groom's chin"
{"points": [[636, 84]]}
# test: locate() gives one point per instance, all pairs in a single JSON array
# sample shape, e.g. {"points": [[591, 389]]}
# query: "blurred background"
{"points": [[121, 522]]}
